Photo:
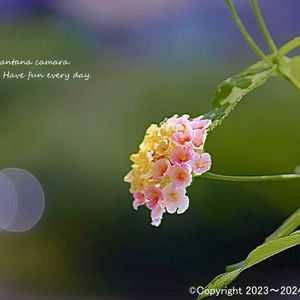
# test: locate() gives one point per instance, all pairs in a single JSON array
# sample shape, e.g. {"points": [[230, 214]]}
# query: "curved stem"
{"points": [[245, 33], [263, 178], [263, 26]]}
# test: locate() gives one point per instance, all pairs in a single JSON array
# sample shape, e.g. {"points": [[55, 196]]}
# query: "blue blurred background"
{"points": [[148, 59]]}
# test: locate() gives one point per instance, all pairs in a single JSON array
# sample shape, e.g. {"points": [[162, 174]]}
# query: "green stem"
{"points": [[288, 47], [263, 26], [262, 178], [245, 33]]}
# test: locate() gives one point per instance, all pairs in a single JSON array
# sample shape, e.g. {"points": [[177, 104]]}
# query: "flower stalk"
{"points": [[263, 27], [262, 178], [245, 33]]}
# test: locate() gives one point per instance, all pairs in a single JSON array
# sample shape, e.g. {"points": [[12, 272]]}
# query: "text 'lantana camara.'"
{"points": [[169, 156]]}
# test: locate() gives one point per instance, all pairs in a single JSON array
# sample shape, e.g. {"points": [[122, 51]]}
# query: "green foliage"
{"points": [[290, 68], [288, 226], [258, 255], [228, 95], [291, 224], [231, 91]]}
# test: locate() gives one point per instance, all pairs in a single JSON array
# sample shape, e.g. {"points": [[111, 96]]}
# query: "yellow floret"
{"points": [[156, 144]]}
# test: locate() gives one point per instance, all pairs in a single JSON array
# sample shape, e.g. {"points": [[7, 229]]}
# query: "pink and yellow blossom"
{"points": [[169, 156]]}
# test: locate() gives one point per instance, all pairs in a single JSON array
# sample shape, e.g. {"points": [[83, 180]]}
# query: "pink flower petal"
{"points": [[156, 215], [183, 205], [182, 123], [175, 198], [181, 155], [152, 195], [201, 163], [199, 138], [181, 138], [199, 123], [160, 168], [139, 199], [180, 175]]}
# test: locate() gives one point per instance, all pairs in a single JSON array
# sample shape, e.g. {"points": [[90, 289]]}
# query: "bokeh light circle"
{"points": [[8, 202], [30, 199]]}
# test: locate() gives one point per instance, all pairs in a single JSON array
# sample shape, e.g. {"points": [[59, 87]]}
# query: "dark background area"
{"points": [[148, 60]]}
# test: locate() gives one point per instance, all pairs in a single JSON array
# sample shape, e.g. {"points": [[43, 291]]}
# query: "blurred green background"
{"points": [[76, 137]]}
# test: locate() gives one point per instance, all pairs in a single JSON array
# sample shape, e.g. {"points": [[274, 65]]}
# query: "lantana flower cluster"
{"points": [[168, 158]]}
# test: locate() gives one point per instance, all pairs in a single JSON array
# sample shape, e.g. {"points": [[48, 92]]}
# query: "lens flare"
{"points": [[22, 197], [8, 202]]}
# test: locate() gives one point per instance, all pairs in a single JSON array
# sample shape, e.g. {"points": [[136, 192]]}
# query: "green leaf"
{"points": [[258, 255], [290, 68], [235, 266], [231, 91], [287, 227]]}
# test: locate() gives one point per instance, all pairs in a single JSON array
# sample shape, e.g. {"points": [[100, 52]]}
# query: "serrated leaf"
{"points": [[258, 255], [231, 91], [290, 68]]}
